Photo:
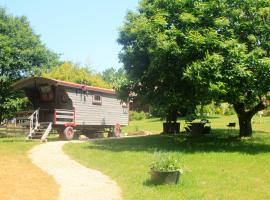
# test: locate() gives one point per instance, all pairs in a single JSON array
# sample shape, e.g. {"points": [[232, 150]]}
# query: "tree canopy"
{"points": [[181, 52], [72, 73], [21, 54], [151, 57], [236, 67], [116, 78]]}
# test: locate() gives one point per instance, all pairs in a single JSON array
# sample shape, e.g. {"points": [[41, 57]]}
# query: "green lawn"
{"points": [[16, 145], [155, 125], [217, 166]]}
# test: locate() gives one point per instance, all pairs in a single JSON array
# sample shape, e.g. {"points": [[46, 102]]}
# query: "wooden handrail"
{"points": [[46, 133], [34, 122]]}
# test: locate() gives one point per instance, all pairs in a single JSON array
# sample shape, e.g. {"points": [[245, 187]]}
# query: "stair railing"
{"points": [[47, 131], [34, 122]]}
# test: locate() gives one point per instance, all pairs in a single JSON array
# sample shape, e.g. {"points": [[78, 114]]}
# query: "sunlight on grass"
{"points": [[19, 178], [217, 166]]}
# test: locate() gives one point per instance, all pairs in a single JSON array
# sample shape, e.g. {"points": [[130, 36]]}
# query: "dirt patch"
{"points": [[21, 180], [140, 133]]}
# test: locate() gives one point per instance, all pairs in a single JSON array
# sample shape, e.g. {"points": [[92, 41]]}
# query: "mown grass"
{"points": [[217, 122], [217, 166], [19, 178]]}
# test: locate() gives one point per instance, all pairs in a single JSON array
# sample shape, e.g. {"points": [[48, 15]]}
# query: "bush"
{"points": [[136, 115], [207, 109], [229, 112], [219, 111], [158, 112]]}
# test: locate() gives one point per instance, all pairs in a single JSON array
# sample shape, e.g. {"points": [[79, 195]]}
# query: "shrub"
{"points": [[230, 111], [136, 115]]}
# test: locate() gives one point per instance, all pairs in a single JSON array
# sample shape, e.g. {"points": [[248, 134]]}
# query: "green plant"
{"points": [[165, 162], [137, 115]]}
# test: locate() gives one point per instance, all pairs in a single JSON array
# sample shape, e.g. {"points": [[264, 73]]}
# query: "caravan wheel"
{"points": [[68, 133]]}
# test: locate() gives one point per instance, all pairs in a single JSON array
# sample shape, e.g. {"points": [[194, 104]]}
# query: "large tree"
{"points": [[199, 50], [152, 58], [235, 66], [21, 54]]}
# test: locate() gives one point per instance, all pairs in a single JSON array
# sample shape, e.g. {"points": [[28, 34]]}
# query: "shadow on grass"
{"points": [[148, 182], [218, 141], [155, 120]]}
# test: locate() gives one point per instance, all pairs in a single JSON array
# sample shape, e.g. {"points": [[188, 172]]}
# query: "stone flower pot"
{"points": [[170, 177]]}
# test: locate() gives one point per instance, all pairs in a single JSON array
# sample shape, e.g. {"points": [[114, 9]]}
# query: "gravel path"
{"points": [[75, 181]]}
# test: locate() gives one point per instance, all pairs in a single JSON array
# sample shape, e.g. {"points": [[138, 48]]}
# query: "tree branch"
{"points": [[261, 106]]}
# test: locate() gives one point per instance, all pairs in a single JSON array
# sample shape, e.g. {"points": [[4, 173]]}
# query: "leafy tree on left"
{"points": [[21, 54]]}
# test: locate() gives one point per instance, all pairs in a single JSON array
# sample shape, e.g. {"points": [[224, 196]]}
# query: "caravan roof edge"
{"points": [[31, 80]]}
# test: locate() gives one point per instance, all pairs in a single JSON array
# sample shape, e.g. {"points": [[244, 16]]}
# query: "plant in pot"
{"points": [[165, 169]]}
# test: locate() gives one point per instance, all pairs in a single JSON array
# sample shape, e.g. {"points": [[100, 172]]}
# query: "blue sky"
{"points": [[83, 31]]}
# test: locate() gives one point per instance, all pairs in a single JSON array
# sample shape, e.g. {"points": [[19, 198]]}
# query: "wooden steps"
{"points": [[42, 131], [26, 124]]}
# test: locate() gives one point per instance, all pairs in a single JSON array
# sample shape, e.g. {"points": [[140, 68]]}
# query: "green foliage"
{"points": [[115, 78], [72, 73], [229, 112], [151, 56], [133, 115], [118, 80], [215, 108], [21, 54], [181, 53], [13, 104], [158, 112], [165, 162], [203, 110], [234, 64]]}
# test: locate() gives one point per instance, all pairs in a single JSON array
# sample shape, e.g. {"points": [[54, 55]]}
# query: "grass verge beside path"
{"points": [[218, 166], [19, 178]]}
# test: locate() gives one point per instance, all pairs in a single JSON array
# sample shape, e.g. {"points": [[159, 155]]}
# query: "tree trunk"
{"points": [[245, 124], [245, 116], [0, 119], [201, 110], [171, 125]]}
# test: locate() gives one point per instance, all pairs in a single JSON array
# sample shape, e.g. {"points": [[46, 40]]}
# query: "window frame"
{"points": [[96, 102]]}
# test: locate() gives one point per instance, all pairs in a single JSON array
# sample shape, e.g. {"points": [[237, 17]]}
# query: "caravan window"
{"points": [[46, 93], [97, 99]]}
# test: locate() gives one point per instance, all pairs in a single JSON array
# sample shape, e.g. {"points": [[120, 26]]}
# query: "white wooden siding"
{"points": [[109, 112]]}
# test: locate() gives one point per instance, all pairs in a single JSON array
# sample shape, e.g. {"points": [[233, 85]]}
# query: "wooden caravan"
{"points": [[65, 105]]}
